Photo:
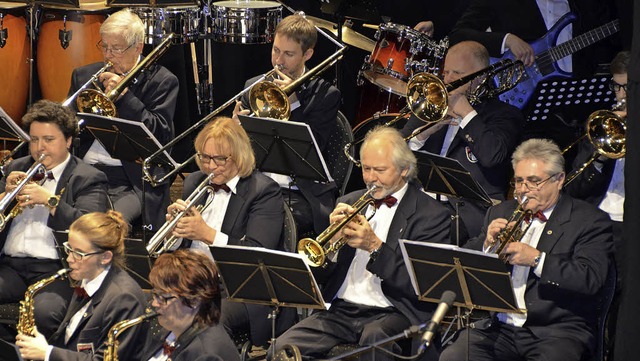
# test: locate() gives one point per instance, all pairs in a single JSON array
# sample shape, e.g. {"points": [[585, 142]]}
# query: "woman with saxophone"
{"points": [[106, 295], [186, 296]]}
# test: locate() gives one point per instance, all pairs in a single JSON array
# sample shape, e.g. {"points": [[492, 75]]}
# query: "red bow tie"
{"points": [[538, 215], [390, 201], [81, 293], [40, 176], [167, 350], [224, 187]]}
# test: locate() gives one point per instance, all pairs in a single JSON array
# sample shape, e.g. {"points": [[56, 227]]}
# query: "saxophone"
{"points": [[111, 353], [26, 321]]}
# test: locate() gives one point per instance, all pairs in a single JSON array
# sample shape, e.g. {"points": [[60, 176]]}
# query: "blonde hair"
{"points": [[401, 155], [106, 231], [231, 137]]}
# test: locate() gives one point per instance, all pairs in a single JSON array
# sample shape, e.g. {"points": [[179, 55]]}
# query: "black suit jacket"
{"points": [[211, 343], [85, 191], [523, 19], [592, 184], [418, 218], [151, 100], [118, 298], [578, 244], [319, 103]]}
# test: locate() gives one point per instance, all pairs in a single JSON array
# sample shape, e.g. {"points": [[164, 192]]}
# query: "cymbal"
{"points": [[349, 36]]}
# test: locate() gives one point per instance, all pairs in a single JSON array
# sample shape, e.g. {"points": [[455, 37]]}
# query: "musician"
{"points": [[559, 267], [151, 100], [106, 296], [516, 24], [368, 284], [68, 189], [480, 136], [246, 209], [186, 295], [316, 103]]}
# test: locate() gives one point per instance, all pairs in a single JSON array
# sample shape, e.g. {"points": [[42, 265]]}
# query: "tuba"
{"points": [[111, 353], [95, 101], [513, 232], [317, 250], [26, 321], [159, 243], [9, 197]]}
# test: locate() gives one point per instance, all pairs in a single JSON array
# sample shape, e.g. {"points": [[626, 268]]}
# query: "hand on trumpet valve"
{"points": [[32, 194], [520, 254], [493, 230], [13, 179], [193, 226], [360, 235]]}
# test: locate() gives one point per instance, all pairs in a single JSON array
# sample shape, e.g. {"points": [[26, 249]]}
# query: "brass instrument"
{"points": [[9, 197], [513, 232], [111, 352], [95, 101], [606, 131], [92, 80], [428, 96], [159, 243], [26, 322], [268, 100], [318, 250], [149, 162]]}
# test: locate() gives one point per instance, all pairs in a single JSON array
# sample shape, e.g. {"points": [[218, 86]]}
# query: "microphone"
{"points": [[445, 302]]}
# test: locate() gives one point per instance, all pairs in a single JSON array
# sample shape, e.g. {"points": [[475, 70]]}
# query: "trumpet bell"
{"points": [[95, 102], [313, 252], [267, 100], [607, 132]]}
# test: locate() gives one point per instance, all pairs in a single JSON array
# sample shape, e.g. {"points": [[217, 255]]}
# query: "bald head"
{"points": [[471, 52]]}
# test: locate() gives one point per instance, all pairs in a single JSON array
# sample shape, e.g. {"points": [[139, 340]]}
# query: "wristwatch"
{"points": [[375, 253], [53, 202]]}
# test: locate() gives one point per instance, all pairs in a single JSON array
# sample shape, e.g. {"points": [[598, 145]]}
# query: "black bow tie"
{"points": [[81, 293], [538, 214], [167, 349], [224, 187], [40, 176], [390, 201]]}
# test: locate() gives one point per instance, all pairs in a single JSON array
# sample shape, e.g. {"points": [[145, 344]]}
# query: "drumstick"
{"points": [[371, 26], [208, 41], [194, 62]]}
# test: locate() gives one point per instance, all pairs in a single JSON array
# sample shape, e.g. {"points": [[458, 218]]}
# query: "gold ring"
{"points": [[27, 198]]}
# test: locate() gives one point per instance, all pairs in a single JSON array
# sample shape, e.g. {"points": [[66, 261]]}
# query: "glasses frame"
{"points": [[538, 184], [219, 160], [615, 87], [160, 299], [75, 254], [113, 51]]}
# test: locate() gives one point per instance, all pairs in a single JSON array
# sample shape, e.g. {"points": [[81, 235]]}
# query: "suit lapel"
{"points": [[66, 174], [236, 202], [553, 229], [406, 208]]}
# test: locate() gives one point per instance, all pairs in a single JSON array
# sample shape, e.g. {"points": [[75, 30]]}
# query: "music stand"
{"points": [[9, 351], [267, 277], [11, 132], [285, 148]]}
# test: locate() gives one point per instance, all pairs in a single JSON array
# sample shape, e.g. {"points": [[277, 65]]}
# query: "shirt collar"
{"points": [[233, 184], [92, 286], [57, 170]]}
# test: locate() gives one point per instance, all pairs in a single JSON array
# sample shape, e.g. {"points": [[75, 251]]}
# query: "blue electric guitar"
{"points": [[546, 56]]}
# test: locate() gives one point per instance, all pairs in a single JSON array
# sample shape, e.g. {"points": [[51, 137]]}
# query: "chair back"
{"points": [[606, 300], [339, 165], [289, 230]]}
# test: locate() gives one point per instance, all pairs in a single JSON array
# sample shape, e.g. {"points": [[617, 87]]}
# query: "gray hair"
{"points": [[401, 156], [540, 149], [125, 23]]}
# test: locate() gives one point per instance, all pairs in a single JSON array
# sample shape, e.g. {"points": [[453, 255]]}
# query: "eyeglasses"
{"points": [[615, 87], [531, 185], [161, 299], [77, 255], [219, 160], [115, 51]]}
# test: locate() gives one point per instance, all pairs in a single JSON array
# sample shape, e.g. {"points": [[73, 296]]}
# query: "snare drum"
{"points": [[67, 40], [183, 21], [399, 52], [245, 21], [14, 60]]}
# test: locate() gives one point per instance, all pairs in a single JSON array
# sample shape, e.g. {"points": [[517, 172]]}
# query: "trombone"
{"points": [[159, 243], [93, 80], [316, 251], [35, 168], [95, 101], [428, 96]]}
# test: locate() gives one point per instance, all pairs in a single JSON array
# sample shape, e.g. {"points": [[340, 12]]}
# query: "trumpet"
{"points": [[159, 243], [35, 168], [93, 80], [428, 96], [513, 232], [95, 101], [316, 251]]}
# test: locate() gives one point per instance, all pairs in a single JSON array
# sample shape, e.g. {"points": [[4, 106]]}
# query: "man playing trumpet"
{"points": [[367, 283], [559, 268], [52, 201]]}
